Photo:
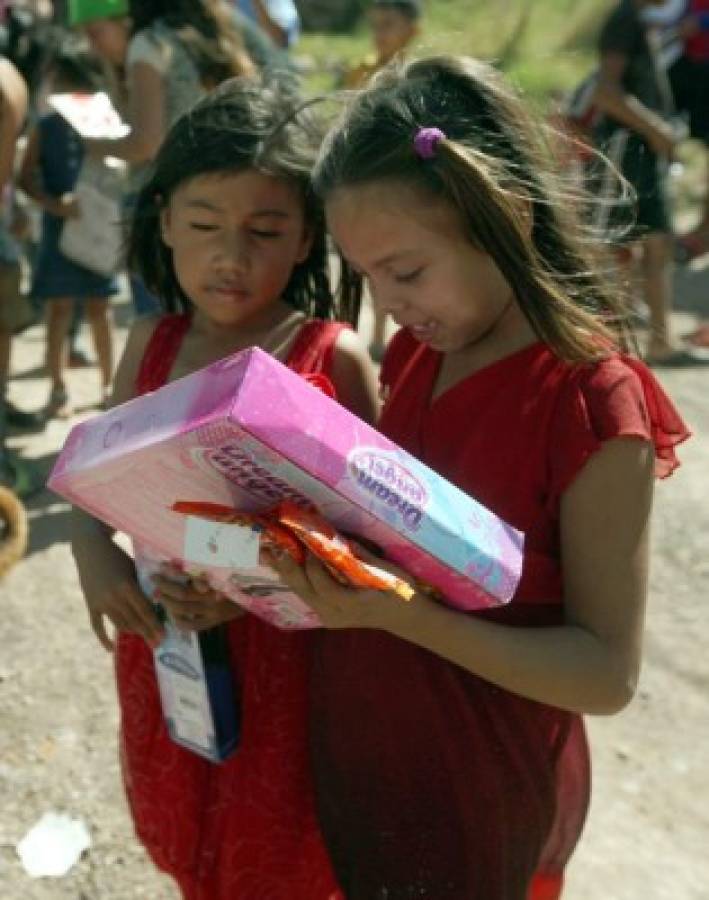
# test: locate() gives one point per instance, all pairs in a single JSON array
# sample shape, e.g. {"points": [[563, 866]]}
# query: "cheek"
{"points": [[187, 257]]}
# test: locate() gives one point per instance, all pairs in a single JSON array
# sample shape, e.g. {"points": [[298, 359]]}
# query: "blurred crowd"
{"points": [[155, 58]]}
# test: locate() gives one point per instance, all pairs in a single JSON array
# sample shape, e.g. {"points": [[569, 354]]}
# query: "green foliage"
{"points": [[546, 45]]}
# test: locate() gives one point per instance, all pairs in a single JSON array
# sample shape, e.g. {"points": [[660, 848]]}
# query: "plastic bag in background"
{"points": [[95, 239]]}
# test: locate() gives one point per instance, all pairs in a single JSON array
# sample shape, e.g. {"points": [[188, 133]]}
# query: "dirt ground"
{"points": [[648, 831]]}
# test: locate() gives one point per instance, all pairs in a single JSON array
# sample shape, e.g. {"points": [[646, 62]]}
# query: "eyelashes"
{"points": [[263, 235], [409, 277]]}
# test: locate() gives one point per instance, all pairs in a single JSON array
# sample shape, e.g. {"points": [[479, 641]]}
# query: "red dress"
{"points": [[431, 782], [245, 829]]}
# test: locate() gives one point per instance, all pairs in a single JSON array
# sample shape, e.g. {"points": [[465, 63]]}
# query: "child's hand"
{"points": [[111, 590], [338, 606], [193, 605], [663, 140], [67, 207]]}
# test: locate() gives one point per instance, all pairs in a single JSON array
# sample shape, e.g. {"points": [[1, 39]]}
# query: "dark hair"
{"points": [[491, 166], [75, 68], [245, 124], [409, 8], [206, 28]]}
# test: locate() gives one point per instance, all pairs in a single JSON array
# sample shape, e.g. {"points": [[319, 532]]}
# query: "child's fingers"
{"points": [[190, 609], [195, 589], [289, 572], [141, 616], [198, 616]]}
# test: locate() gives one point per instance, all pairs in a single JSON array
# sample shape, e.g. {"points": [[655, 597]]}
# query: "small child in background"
{"points": [[49, 173], [394, 25]]}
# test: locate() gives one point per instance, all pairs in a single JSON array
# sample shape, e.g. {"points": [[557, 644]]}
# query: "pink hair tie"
{"points": [[426, 141]]}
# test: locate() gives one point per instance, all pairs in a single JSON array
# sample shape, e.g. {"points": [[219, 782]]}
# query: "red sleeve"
{"points": [[618, 397]]}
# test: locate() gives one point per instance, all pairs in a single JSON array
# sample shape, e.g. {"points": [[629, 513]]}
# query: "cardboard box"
{"points": [[249, 432]]}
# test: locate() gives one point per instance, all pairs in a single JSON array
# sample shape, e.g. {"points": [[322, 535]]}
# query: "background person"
{"points": [[49, 173], [20, 475], [394, 26], [278, 19], [636, 136], [172, 51]]}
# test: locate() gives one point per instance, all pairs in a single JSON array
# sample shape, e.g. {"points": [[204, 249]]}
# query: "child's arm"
{"points": [[13, 110], [279, 34], [145, 115], [106, 572], [64, 207], [612, 100], [354, 377], [588, 665]]}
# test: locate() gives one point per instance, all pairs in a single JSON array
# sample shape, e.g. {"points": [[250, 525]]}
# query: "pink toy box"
{"points": [[249, 432]]}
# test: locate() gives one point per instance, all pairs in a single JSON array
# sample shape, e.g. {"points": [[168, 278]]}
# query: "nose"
{"points": [[232, 253], [389, 301]]}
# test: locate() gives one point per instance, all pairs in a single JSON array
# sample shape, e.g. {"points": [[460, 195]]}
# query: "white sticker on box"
{"points": [[220, 544]]}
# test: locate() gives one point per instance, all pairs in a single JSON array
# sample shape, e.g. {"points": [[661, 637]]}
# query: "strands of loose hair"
{"points": [[494, 169]]}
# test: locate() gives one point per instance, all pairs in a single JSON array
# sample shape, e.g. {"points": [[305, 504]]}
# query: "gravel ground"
{"points": [[648, 830]]}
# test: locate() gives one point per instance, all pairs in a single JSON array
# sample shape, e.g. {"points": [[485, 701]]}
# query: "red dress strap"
{"points": [[161, 352]]}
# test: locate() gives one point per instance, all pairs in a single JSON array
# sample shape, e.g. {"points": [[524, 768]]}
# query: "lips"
{"points": [[230, 292], [424, 331]]}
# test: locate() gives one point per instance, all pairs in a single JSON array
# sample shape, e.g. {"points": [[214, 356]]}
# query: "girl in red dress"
{"points": [[228, 233], [448, 749]]}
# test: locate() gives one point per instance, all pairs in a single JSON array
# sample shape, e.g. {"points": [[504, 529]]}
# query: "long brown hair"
{"points": [[208, 31], [492, 165]]}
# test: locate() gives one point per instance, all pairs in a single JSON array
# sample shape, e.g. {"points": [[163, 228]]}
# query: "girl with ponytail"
{"points": [[448, 748]]}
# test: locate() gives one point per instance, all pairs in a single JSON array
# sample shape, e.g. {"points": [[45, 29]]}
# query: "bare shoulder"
{"points": [[136, 344], [13, 93], [354, 376]]}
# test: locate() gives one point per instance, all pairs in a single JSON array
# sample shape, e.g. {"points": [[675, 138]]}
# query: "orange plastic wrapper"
{"points": [[338, 553], [293, 529]]}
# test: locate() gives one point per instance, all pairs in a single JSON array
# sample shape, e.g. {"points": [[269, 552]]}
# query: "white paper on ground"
{"points": [[219, 544], [53, 845]]}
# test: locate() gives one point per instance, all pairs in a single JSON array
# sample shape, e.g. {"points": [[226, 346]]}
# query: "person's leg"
{"points": [[76, 358], [59, 313], [657, 291], [98, 314], [5, 345]]}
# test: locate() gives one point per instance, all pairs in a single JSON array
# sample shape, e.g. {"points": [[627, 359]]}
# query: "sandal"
{"points": [[58, 406], [699, 337], [106, 400], [689, 247], [678, 359]]}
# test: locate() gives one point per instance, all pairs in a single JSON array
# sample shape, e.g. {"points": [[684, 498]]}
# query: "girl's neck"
{"points": [[508, 335], [271, 329]]}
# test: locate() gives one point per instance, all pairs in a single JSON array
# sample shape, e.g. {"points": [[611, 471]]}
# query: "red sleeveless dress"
{"points": [[431, 782], [245, 829]]}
